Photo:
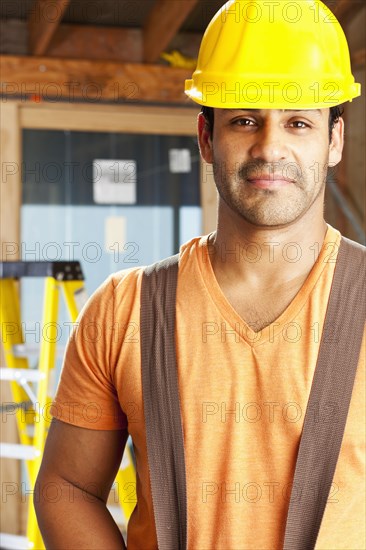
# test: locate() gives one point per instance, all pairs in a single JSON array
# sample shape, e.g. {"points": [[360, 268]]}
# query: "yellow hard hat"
{"points": [[265, 54]]}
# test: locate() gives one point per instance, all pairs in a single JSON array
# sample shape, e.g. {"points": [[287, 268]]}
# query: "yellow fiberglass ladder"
{"points": [[30, 387]]}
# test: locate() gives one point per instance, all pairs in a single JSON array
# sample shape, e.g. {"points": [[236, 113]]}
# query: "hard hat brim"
{"points": [[265, 93]]}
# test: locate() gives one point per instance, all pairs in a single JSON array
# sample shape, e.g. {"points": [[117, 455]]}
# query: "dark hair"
{"points": [[334, 116]]}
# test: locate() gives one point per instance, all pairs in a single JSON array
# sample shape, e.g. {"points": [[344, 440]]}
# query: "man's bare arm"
{"points": [[78, 469]]}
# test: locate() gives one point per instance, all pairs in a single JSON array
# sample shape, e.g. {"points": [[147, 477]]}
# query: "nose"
{"points": [[268, 144]]}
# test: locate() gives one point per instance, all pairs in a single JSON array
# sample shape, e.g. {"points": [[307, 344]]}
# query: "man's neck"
{"points": [[241, 252]]}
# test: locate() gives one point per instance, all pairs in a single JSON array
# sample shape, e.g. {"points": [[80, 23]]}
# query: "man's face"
{"points": [[270, 165]]}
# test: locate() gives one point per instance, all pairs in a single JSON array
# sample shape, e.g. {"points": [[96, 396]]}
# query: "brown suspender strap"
{"points": [[329, 400], [324, 421], [164, 433]]}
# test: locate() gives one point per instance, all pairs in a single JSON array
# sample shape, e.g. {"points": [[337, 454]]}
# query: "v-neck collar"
{"points": [[328, 254]]}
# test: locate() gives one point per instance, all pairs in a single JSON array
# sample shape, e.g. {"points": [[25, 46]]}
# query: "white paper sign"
{"points": [[180, 161], [114, 181], [115, 233]]}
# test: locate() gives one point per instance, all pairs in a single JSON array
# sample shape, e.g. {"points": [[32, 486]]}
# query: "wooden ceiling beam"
{"points": [[92, 42], [44, 19], [111, 43], [345, 10], [163, 22], [95, 42], [49, 79]]}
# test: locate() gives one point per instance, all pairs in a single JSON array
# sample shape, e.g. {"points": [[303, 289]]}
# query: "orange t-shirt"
{"points": [[243, 398]]}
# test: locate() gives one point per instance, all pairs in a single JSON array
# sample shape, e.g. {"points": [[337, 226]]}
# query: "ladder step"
{"points": [[117, 514], [19, 375], [18, 451], [62, 271], [17, 542], [26, 351]]}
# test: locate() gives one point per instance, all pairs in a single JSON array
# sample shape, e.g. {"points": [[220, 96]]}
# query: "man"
{"points": [[250, 308]]}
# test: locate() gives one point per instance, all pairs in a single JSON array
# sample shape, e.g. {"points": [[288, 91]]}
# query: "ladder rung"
{"points": [[29, 430], [25, 351], [18, 451], [116, 513], [17, 542], [62, 271], [18, 375]]}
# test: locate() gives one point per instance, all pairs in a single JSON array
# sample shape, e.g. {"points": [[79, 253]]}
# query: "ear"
{"points": [[336, 145], [204, 139]]}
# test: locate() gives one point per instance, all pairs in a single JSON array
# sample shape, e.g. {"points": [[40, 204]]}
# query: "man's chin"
{"points": [[270, 219]]}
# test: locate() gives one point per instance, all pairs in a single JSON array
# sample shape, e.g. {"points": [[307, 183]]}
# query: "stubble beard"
{"points": [[264, 207]]}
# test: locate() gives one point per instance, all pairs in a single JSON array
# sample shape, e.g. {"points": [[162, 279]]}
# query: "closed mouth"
{"points": [[269, 177]]}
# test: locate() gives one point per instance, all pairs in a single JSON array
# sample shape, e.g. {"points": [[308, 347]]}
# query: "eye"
{"points": [[299, 124], [243, 122]]}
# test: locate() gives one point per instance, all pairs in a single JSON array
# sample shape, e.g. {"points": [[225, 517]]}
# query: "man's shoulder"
{"points": [[124, 276]]}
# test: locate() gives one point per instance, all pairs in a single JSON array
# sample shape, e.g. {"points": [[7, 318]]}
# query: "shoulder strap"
{"points": [[329, 400], [164, 433]]}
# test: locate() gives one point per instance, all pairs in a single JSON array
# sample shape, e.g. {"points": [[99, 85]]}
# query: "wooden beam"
{"points": [[91, 81], [162, 24], [92, 42], [10, 181], [43, 22], [345, 10], [10, 203], [95, 42], [111, 43], [130, 119]]}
